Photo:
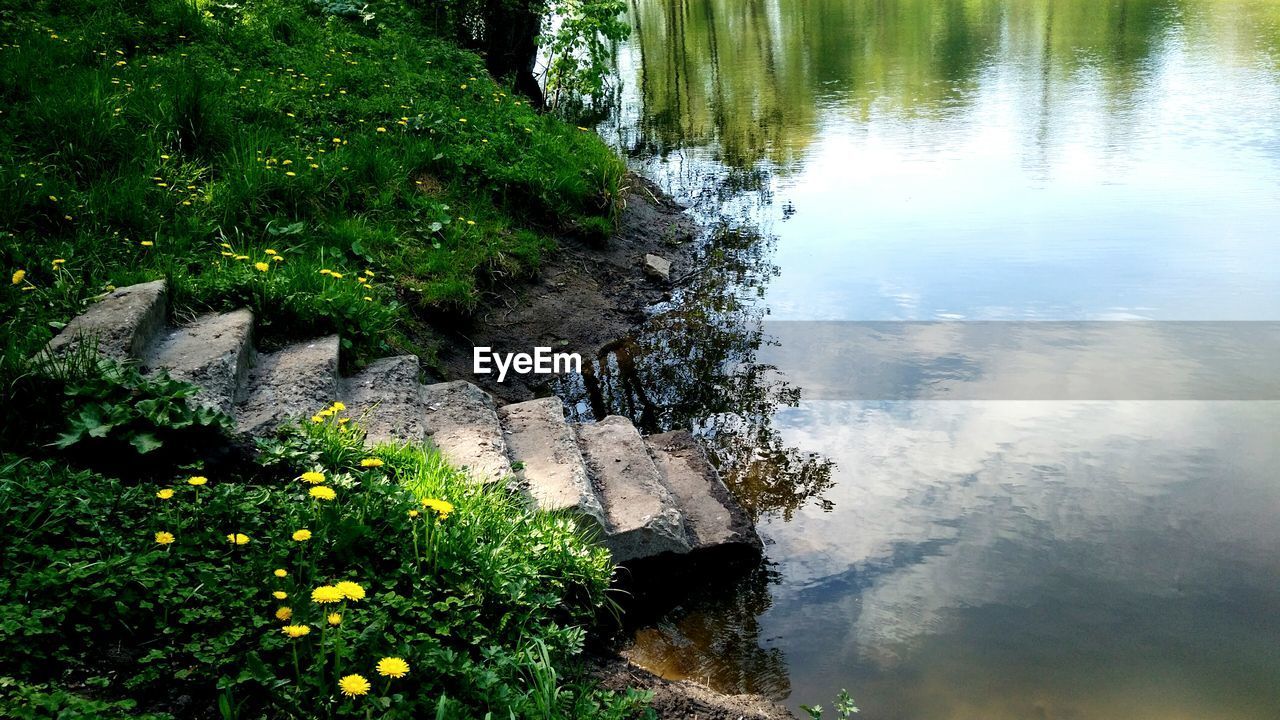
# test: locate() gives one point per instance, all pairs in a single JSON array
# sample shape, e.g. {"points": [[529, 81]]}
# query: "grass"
{"points": [[185, 139], [147, 595]]}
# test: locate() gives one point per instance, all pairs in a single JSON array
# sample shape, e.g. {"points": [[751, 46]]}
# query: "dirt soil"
{"points": [[584, 297], [683, 699]]}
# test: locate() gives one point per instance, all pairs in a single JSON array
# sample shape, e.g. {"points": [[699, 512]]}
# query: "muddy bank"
{"points": [[584, 297], [684, 699]]}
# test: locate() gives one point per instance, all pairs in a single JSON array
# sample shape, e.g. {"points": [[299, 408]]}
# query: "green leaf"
{"points": [[145, 442]]}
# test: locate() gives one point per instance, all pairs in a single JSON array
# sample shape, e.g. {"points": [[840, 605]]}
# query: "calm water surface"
{"points": [[1080, 553]]}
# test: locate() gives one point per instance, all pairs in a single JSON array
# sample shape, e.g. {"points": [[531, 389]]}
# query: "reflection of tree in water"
{"points": [[693, 365], [714, 638]]}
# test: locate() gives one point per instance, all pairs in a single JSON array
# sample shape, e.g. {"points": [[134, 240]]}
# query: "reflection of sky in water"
{"points": [[998, 160], [1078, 555], [927, 219]]}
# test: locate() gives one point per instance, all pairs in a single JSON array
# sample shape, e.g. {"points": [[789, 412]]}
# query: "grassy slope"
{"points": [[140, 138]]}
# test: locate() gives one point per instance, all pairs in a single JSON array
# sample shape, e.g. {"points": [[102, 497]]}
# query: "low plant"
{"points": [[333, 581]]}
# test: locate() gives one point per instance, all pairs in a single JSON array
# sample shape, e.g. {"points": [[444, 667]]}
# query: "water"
{"points": [[1055, 520]]}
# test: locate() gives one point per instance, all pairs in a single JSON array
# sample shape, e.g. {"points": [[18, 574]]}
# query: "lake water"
{"points": [[984, 333]]}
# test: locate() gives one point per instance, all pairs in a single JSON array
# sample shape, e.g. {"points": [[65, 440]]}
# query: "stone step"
{"points": [[288, 384], [122, 324], [712, 518], [642, 516], [544, 450], [462, 422], [212, 353], [386, 399]]}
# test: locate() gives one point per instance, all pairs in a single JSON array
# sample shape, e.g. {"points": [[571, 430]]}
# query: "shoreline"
{"points": [[584, 295]]}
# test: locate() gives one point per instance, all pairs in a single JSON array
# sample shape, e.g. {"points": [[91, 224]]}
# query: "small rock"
{"points": [[657, 267]]}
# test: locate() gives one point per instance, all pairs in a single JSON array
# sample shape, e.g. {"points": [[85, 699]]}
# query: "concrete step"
{"points": [[462, 422], [386, 399], [712, 518], [213, 353], [288, 384], [544, 450], [642, 516], [122, 324]]}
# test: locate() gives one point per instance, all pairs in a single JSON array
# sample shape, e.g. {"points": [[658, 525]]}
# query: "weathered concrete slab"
{"points": [[122, 324], [213, 353], [642, 516], [288, 384], [544, 450], [712, 518], [386, 399], [462, 422]]}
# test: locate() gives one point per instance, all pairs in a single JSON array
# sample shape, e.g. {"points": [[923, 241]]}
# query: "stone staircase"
{"points": [[645, 496]]}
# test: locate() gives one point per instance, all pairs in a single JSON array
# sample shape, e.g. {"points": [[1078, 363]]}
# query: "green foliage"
{"points": [[486, 600], [844, 707], [581, 48], [140, 137], [116, 406], [23, 701], [103, 411]]}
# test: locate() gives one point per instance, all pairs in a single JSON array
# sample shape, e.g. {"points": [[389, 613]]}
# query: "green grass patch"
{"points": [[278, 590], [140, 139]]}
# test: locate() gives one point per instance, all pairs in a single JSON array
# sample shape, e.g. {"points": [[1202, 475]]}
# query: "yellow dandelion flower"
{"points": [[197, 480], [354, 685], [164, 538], [381, 129], [393, 667], [281, 572], [413, 513], [278, 258], [321, 492], [441, 507], [58, 262], [312, 477], [302, 535], [334, 619], [269, 251], [351, 591], [326, 271], [335, 276], [371, 462], [238, 538], [146, 243], [338, 406], [165, 494], [326, 594], [262, 267], [295, 631], [317, 418], [284, 613], [279, 594], [19, 276]]}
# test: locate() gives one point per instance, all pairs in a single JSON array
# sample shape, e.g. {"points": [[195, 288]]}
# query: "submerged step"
{"points": [[544, 449], [712, 518], [212, 353], [293, 382], [462, 422], [386, 399], [121, 325], [642, 516]]}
